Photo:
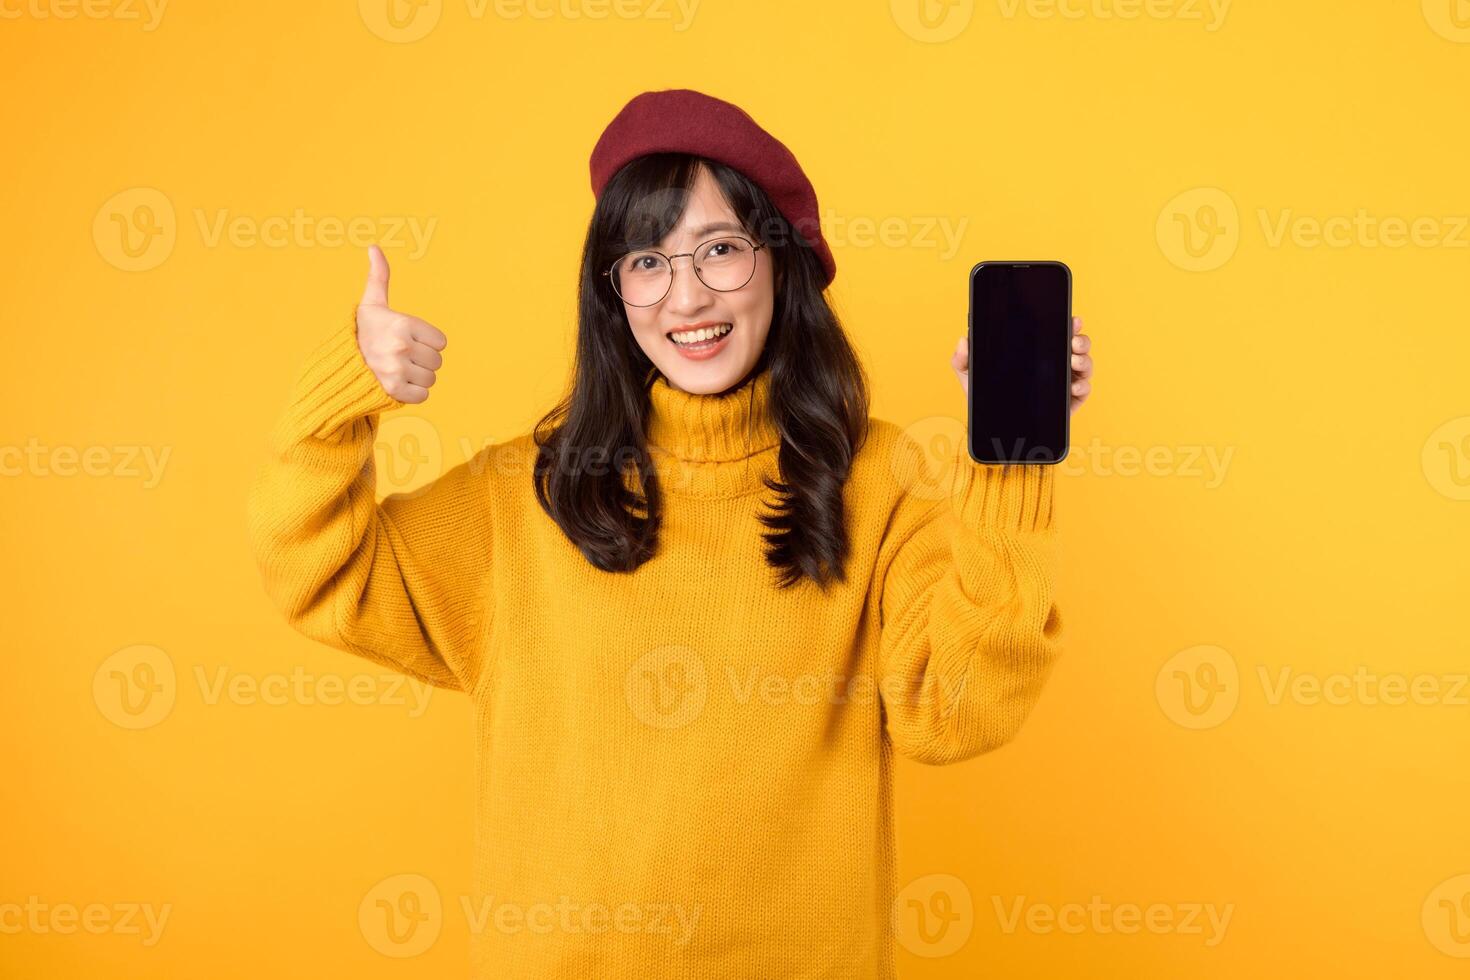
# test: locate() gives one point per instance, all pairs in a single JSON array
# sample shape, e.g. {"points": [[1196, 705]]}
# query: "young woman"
{"points": [[696, 609]]}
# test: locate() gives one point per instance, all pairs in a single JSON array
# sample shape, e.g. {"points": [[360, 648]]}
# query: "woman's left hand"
{"points": [[1081, 364]]}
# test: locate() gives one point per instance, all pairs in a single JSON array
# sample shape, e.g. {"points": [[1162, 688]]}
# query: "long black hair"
{"points": [[818, 389]]}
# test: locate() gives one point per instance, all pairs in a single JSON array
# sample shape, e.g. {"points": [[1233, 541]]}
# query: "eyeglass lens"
{"points": [[642, 278]]}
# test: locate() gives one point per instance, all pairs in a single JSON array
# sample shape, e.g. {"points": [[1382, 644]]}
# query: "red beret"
{"points": [[684, 121]]}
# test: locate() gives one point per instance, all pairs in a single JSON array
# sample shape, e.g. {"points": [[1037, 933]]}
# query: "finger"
{"points": [[1081, 366], [413, 394], [1076, 324], [428, 334], [415, 374], [1081, 389], [375, 292], [1081, 343], [425, 356], [960, 360]]}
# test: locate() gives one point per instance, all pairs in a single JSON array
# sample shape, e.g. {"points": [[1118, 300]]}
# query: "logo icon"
{"points": [[1198, 687], [934, 915], [1446, 916], [1199, 230], [932, 21], [932, 472], [135, 229], [400, 21], [1450, 19], [408, 451], [1446, 458], [401, 915], [666, 687], [136, 687]]}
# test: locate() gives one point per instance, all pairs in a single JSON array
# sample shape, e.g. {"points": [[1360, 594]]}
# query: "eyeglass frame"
{"points": [[754, 247]]}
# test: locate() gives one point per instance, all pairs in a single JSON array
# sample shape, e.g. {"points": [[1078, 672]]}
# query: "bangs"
{"points": [[653, 194]]}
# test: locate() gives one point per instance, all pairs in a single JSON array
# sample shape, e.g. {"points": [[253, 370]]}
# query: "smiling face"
{"points": [[690, 306]]}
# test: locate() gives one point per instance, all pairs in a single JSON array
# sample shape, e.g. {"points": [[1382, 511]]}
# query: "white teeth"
{"points": [[698, 336]]}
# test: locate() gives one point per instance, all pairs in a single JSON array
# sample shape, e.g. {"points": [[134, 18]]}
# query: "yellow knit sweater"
{"points": [[683, 771]]}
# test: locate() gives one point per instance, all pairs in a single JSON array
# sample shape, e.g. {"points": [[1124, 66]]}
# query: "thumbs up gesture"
{"points": [[402, 350]]}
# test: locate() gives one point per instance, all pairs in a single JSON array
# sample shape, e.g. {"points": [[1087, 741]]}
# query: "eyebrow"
{"points": [[719, 226], [699, 233]]}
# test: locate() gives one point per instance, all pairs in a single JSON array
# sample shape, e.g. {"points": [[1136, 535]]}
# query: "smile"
{"points": [[706, 342], [693, 338]]}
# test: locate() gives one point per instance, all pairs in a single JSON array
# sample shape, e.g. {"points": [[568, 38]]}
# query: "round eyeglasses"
{"points": [[643, 278]]}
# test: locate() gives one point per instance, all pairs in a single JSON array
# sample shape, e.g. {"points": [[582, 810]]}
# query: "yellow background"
{"points": [[1331, 380]]}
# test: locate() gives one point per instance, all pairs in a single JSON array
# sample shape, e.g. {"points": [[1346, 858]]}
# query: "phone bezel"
{"points": [[1066, 355]]}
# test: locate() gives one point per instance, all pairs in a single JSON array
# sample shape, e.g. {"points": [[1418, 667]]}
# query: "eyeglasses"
{"points": [[643, 278]]}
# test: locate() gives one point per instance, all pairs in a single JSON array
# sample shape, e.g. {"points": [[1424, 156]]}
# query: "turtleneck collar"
{"points": [[720, 444]]}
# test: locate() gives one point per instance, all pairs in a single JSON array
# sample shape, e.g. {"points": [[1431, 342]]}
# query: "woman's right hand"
{"points": [[402, 350]]}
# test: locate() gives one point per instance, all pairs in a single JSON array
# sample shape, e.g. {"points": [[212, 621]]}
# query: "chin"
{"points": [[706, 377]]}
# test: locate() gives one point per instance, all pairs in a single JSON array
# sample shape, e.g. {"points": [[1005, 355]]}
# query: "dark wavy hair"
{"points": [[818, 390]]}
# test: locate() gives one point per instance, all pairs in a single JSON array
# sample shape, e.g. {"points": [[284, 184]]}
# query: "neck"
{"points": [[718, 444]]}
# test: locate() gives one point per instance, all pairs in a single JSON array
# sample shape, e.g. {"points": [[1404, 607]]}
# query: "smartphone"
{"points": [[1020, 362]]}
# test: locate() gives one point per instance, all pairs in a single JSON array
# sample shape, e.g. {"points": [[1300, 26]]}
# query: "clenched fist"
{"points": [[402, 350]]}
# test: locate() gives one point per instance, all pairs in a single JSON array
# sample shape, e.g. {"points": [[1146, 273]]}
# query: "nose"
{"points": [[687, 293]]}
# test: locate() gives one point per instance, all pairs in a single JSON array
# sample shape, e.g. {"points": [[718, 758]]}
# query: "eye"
{"points": [[643, 262], [724, 248]]}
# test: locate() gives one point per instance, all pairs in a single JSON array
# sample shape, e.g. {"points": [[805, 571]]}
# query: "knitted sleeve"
{"points": [[401, 582], [970, 624]]}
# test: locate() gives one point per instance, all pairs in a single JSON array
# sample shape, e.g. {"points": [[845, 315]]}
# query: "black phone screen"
{"points": [[1020, 361]]}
